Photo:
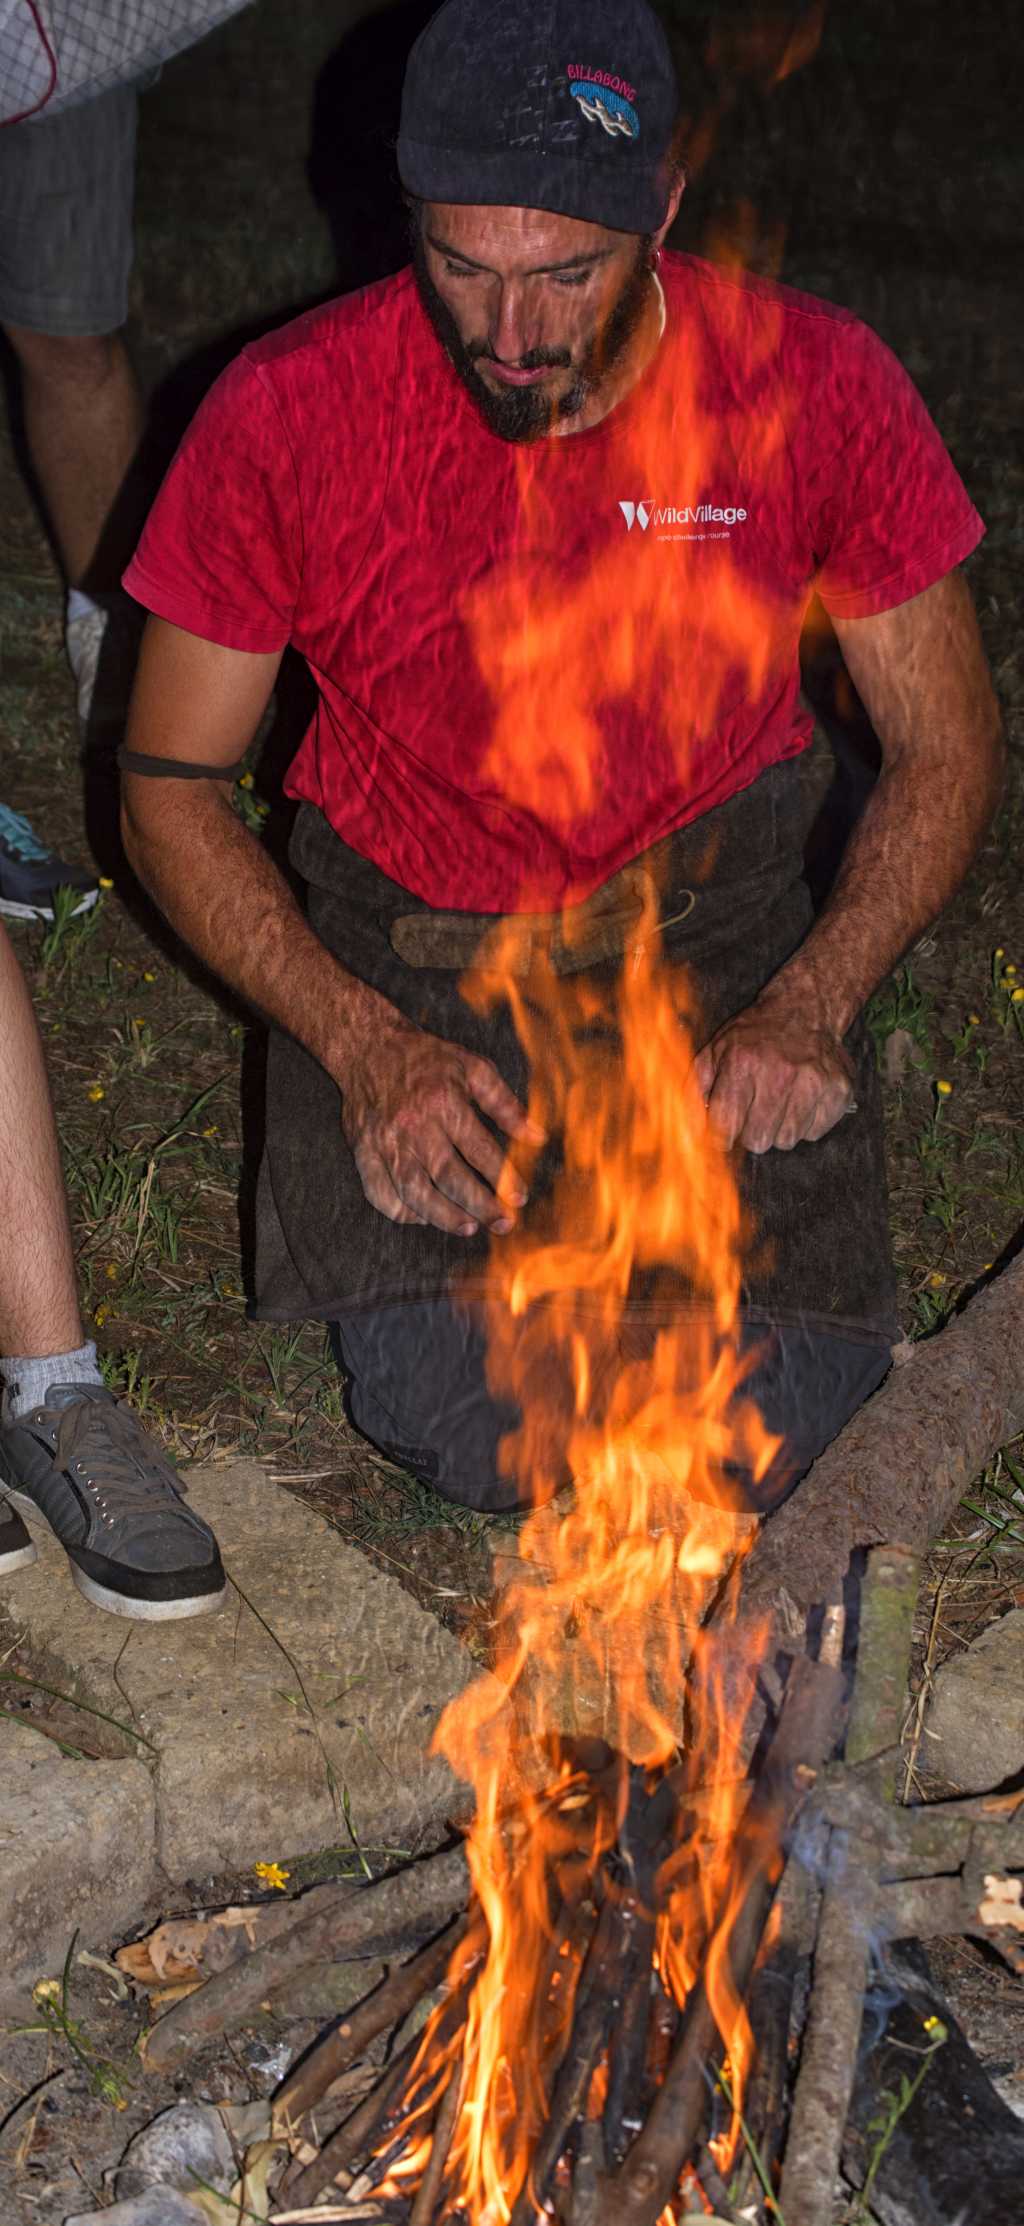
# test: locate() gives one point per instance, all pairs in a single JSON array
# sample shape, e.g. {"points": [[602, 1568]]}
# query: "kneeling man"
{"points": [[426, 489]]}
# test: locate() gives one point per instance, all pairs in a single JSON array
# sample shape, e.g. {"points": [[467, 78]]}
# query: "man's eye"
{"points": [[572, 278], [458, 270]]}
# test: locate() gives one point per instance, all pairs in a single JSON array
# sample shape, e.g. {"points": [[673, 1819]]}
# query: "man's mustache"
{"points": [[537, 359]]}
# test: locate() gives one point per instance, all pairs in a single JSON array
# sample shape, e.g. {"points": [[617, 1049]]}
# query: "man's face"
{"points": [[537, 312]]}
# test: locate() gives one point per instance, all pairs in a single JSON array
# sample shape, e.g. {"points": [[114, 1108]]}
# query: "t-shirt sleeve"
{"points": [[220, 555], [888, 512]]}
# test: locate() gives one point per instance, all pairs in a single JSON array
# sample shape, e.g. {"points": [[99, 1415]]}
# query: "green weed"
{"points": [[894, 2106], [52, 1999], [901, 1003], [68, 935]]}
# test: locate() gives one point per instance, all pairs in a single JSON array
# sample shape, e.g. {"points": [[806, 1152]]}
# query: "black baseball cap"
{"points": [[568, 105]]}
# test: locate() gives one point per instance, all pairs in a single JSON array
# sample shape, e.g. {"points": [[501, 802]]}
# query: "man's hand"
{"points": [[407, 1111], [775, 1076]]}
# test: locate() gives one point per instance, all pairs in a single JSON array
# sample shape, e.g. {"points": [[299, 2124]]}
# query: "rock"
{"points": [[183, 2146], [319, 1672], [160, 2206], [77, 1852], [975, 1723]]}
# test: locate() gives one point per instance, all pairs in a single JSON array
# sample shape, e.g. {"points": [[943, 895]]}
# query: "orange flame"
{"points": [[645, 1413]]}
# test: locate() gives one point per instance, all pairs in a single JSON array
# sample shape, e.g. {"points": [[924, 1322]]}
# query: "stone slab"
{"points": [[320, 1670], [77, 1853], [975, 1722]]}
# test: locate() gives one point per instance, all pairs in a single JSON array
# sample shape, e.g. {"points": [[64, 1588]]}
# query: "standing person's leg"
{"points": [[68, 1451], [66, 206]]}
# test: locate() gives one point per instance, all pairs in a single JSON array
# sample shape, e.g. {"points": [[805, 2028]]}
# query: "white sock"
{"points": [[26, 1382], [79, 604]]}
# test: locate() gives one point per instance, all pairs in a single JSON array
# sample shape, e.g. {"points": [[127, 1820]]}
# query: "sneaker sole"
{"points": [[145, 1611], [45, 911], [23, 1559], [121, 1603]]}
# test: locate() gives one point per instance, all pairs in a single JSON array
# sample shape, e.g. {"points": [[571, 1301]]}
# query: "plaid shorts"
{"points": [[67, 188]]}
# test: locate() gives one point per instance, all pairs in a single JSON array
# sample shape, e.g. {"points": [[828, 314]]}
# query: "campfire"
{"points": [[660, 1840]]}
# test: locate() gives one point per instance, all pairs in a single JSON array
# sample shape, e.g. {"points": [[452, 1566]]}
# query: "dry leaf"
{"points": [[185, 1945], [1003, 1903]]}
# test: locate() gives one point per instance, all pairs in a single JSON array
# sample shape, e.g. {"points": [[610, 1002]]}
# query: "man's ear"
{"points": [[675, 198]]}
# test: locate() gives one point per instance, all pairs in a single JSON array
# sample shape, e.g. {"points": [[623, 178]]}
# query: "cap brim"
{"points": [[633, 200]]}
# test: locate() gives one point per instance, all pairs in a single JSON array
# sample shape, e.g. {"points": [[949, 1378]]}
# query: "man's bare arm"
{"points": [[778, 1075], [408, 1098]]}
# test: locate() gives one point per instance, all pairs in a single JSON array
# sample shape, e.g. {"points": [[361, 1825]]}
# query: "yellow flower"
{"points": [[1017, 997], [986, 1265], [936, 1280], [213, 1130], [936, 2026], [140, 1020], [228, 1291], [105, 881], [974, 1020], [149, 975], [1009, 971], [1000, 953], [112, 1271], [99, 1315], [46, 1990], [95, 1093], [245, 780], [944, 1089], [272, 1875]]}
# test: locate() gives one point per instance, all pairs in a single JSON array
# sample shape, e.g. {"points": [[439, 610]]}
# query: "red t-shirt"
{"points": [[533, 661]]}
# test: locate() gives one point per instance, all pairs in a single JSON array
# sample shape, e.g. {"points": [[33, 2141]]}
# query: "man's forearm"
{"points": [[227, 900], [921, 674], [906, 859]]}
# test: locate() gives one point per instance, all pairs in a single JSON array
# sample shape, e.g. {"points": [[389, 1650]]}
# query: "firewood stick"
{"points": [[598, 1996], [807, 1728], [385, 1918], [354, 2138], [440, 2150], [926, 1842], [821, 2102], [343, 2044]]}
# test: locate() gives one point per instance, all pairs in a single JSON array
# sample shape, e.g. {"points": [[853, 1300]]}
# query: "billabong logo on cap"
{"points": [[606, 100]]}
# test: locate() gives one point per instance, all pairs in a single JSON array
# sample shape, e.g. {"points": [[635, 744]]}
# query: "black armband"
{"points": [[176, 768]]}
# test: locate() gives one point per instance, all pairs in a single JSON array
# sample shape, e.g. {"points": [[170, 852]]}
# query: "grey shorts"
{"points": [[67, 191]]}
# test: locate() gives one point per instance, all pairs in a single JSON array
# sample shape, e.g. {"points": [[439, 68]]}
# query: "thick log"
{"points": [[901, 1467], [382, 1920]]}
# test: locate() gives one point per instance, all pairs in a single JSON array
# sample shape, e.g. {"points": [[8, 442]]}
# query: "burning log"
{"points": [[901, 1467]]}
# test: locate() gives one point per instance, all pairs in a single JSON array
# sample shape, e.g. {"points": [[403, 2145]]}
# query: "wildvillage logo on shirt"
{"points": [[697, 520]]}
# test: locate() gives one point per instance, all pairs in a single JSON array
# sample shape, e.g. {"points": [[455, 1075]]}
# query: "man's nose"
{"points": [[514, 332]]}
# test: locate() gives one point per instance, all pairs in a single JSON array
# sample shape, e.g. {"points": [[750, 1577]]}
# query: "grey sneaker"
{"points": [[86, 1465], [16, 1548]]}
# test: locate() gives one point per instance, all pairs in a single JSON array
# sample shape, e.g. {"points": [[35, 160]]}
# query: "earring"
{"points": [[655, 259]]}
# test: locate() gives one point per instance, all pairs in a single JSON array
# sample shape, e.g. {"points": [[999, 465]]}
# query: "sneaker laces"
{"points": [[18, 837], [104, 1438]]}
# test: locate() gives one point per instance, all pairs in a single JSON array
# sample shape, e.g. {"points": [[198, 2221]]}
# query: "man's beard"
{"points": [[527, 413]]}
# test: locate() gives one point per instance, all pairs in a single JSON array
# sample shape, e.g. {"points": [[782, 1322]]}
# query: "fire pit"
{"points": [[662, 1845]]}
